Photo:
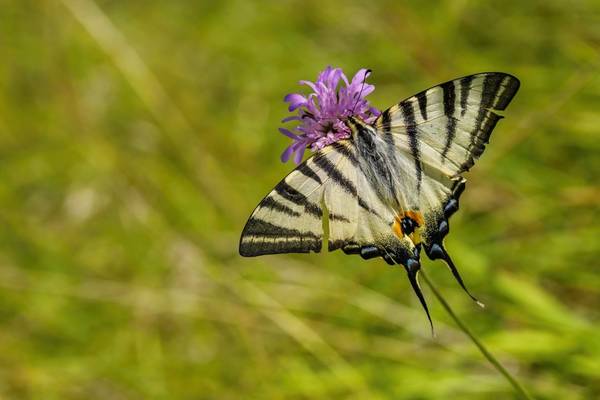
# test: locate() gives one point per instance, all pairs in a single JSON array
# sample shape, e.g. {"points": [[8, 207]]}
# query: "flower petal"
{"points": [[322, 113], [292, 118], [296, 100], [345, 79], [309, 83], [332, 79], [360, 76], [289, 134], [299, 155], [367, 90], [285, 156]]}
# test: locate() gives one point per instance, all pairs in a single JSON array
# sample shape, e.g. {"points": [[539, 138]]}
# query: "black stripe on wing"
{"points": [[290, 218], [388, 136], [291, 194], [345, 151], [498, 90], [273, 204], [334, 173], [449, 96], [307, 171], [413, 141], [465, 88], [262, 237], [422, 100]]}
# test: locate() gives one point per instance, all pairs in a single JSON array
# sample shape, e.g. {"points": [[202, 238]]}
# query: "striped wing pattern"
{"points": [[448, 125], [442, 131], [325, 186], [390, 189]]}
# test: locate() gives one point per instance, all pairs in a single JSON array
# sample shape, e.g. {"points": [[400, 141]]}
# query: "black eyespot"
{"points": [[408, 225]]}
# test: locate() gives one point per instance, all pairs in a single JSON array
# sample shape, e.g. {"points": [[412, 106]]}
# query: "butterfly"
{"points": [[390, 188]]}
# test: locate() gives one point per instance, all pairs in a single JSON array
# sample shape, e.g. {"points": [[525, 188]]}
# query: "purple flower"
{"points": [[322, 114]]}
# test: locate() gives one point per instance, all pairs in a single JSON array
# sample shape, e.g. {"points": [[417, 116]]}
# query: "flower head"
{"points": [[322, 114]]}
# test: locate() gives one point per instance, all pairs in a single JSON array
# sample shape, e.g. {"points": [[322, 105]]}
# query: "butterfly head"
{"points": [[354, 122], [356, 125]]}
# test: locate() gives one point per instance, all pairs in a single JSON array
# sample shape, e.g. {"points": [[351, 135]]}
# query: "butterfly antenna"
{"points": [[367, 72], [440, 252], [412, 269]]}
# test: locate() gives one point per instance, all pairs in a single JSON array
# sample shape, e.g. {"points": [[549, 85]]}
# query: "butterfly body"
{"points": [[377, 162], [389, 190]]}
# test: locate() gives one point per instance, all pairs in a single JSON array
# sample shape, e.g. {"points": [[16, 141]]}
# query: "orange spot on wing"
{"points": [[397, 228], [415, 216]]}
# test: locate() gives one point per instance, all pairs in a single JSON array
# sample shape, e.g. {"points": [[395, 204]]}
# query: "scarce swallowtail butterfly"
{"points": [[389, 189]]}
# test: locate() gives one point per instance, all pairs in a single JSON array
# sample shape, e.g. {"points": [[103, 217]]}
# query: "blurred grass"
{"points": [[138, 136]]}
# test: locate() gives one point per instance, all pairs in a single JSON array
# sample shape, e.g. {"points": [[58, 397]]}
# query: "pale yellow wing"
{"points": [[327, 186]]}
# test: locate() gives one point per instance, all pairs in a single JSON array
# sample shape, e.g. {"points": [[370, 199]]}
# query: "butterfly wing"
{"points": [[440, 132], [327, 186], [447, 126]]}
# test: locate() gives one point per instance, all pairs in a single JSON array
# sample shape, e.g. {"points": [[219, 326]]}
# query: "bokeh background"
{"points": [[136, 138]]}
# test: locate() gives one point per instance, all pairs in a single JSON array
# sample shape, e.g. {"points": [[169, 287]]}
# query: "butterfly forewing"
{"points": [[289, 218], [327, 185], [448, 126]]}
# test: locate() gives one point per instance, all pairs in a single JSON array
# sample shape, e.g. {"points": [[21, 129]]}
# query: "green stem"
{"points": [[516, 385]]}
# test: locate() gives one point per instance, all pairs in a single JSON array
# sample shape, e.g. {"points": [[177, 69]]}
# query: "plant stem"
{"points": [[516, 385]]}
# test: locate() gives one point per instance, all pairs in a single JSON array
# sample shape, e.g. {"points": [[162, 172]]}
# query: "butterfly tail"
{"points": [[412, 269], [438, 252]]}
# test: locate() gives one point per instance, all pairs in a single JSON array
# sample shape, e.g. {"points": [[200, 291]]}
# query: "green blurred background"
{"points": [[136, 138]]}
